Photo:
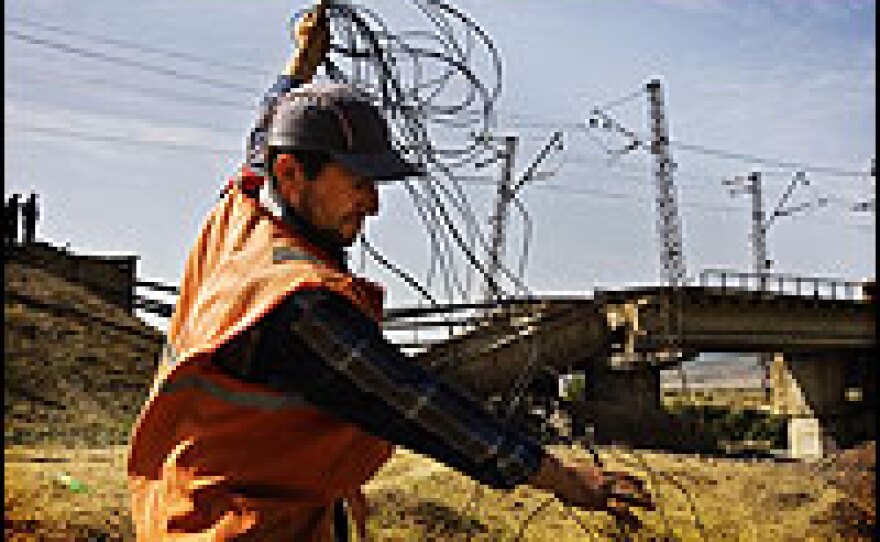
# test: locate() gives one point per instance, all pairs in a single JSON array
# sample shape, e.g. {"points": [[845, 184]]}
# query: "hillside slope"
{"points": [[76, 368]]}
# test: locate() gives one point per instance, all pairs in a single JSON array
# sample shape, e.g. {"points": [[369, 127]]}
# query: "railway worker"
{"points": [[277, 396]]}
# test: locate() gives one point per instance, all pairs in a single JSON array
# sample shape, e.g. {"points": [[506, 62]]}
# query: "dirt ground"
{"points": [[415, 499]]}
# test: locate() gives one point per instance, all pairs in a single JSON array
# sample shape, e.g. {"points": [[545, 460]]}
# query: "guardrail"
{"points": [[157, 286], [154, 305], [778, 283]]}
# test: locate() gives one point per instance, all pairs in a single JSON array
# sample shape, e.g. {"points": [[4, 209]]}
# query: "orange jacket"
{"points": [[213, 458]]}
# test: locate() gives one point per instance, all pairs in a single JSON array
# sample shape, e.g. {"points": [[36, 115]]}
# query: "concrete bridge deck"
{"points": [[656, 327], [824, 374]]}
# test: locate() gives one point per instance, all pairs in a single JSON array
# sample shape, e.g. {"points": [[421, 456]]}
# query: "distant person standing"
{"points": [[31, 214], [11, 210]]}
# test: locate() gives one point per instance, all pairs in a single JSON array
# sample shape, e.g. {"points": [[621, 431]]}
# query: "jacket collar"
{"points": [[272, 201]]}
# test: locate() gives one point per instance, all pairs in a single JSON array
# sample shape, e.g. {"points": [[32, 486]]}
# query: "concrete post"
{"points": [[624, 405], [826, 397]]}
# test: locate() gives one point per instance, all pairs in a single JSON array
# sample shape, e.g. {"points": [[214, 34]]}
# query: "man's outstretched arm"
{"points": [[318, 346]]}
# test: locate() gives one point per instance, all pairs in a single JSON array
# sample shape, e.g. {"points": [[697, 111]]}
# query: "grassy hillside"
{"points": [[76, 368]]}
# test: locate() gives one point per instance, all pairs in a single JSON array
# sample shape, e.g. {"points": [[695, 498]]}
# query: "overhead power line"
{"points": [[122, 61], [85, 136], [522, 122], [639, 92], [55, 76], [720, 209], [770, 162], [150, 49]]}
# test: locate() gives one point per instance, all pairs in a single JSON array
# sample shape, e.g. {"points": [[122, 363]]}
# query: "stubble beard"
{"points": [[307, 211]]}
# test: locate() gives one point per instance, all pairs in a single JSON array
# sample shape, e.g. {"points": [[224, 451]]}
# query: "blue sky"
{"points": [[792, 80]]}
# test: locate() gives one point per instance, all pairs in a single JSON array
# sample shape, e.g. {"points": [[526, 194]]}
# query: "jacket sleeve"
{"points": [[317, 345]]}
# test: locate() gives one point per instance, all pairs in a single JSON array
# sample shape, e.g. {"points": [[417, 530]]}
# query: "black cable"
{"points": [[55, 77], [125, 44], [412, 125], [770, 162], [437, 111], [102, 138], [377, 256], [119, 60]]}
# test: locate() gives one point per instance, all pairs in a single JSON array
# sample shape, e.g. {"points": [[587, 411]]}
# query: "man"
{"points": [[277, 397], [12, 209], [30, 213]]}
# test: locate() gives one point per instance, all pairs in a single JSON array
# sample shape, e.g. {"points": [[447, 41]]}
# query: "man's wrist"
{"points": [[547, 474], [294, 70]]}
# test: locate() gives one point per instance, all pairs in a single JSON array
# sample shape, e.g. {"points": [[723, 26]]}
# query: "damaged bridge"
{"points": [[820, 334]]}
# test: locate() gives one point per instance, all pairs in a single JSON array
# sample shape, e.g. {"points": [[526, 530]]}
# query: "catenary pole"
{"points": [[499, 216], [668, 221]]}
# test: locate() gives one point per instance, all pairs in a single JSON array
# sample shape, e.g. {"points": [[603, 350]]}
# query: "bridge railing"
{"points": [[157, 286], [157, 297], [779, 283], [412, 328]]}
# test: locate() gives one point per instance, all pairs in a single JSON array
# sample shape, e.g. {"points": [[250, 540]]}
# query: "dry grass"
{"points": [[732, 499], [38, 506], [415, 499], [76, 369]]}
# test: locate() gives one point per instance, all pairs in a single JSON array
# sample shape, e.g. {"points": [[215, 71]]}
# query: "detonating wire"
{"points": [[412, 131], [376, 255], [412, 128]]}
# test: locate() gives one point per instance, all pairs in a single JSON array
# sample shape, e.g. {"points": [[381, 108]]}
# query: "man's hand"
{"points": [[312, 35], [590, 488]]}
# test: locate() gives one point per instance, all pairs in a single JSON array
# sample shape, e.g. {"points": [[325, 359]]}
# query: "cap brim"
{"points": [[387, 166]]}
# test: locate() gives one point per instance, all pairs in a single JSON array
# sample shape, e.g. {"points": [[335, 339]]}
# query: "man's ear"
{"points": [[287, 168], [290, 178]]}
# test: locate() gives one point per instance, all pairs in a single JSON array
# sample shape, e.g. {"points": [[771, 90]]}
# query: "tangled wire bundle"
{"points": [[439, 89]]}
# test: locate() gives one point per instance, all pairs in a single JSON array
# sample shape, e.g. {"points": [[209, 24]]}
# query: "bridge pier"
{"points": [[829, 399], [624, 405]]}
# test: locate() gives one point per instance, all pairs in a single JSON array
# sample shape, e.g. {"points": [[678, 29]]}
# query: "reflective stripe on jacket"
{"points": [[213, 458]]}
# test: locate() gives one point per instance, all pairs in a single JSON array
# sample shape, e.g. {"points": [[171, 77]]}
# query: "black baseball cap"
{"points": [[340, 121]]}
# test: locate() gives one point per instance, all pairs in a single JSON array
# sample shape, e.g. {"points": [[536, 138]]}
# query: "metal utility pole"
{"points": [[759, 227], [507, 190], [668, 221], [752, 186], [499, 217]]}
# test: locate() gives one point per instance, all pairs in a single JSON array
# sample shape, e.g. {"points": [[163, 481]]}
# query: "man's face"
{"points": [[337, 201]]}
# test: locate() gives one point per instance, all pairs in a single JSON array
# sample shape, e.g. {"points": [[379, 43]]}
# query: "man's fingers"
{"points": [[312, 24], [624, 517], [639, 501], [634, 496], [630, 488]]}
